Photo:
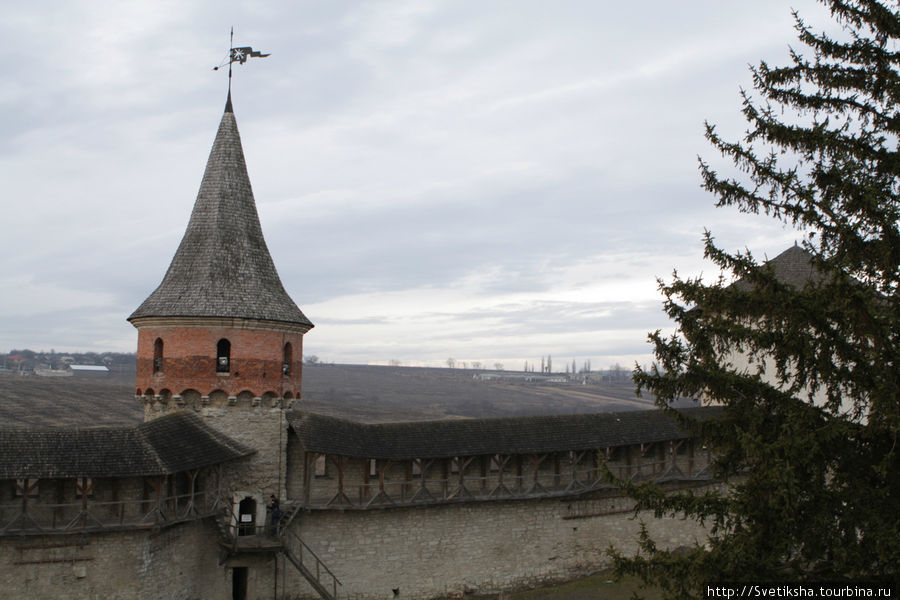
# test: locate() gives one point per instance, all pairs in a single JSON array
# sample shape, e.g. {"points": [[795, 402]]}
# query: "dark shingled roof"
{"points": [[793, 266], [470, 437], [222, 267], [165, 445]]}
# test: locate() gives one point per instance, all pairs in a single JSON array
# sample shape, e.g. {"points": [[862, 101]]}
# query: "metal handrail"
{"points": [[290, 536]]}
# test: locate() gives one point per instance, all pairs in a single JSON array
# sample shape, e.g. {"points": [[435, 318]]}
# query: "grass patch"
{"points": [[596, 587]]}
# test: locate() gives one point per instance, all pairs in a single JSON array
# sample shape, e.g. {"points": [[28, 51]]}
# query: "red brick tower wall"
{"points": [[189, 361]]}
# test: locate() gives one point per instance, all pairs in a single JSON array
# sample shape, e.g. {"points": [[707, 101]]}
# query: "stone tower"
{"points": [[220, 335]]}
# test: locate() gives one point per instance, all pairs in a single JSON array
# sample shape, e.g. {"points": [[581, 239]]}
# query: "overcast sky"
{"points": [[489, 181]]}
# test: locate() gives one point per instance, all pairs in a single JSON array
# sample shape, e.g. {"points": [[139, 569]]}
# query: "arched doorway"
{"points": [[247, 516]]}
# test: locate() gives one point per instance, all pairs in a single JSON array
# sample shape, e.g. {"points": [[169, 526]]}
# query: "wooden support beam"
{"points": [[60, 499], [691, 458], [308, 460], [483, 464], [536, 487], [217, 475], [192, 488], [116, 509], [520, 484], [557, 470]]}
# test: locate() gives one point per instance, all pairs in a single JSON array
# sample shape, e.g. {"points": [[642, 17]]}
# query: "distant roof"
{"points": [[794, 266], [471, 437], [222, 267], [165, 445], [89, 368]]}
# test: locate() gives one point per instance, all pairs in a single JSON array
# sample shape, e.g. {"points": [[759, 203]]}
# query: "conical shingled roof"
{"points": [[222, 267], [794, 266]]}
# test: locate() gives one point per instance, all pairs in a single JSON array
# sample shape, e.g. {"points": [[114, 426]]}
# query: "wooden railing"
{"points": [[466, 487], [29, 516]]}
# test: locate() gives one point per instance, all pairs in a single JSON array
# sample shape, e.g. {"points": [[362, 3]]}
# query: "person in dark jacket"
{"points": [[275, 508]]}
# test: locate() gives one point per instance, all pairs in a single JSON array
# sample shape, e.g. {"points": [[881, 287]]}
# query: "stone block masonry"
{"points": [[177, 563], [435, 551]]}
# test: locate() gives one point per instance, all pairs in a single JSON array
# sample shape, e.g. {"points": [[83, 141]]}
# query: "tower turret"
{"points": [[220, 324]]}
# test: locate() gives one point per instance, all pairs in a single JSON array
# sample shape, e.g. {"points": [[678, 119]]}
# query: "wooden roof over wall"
{"points": [[470, 437], [169, 444]]}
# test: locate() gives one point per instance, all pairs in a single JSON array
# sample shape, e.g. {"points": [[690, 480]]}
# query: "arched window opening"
{"points": [[247, 516], [157, 355], [223, 356], [288, 359]]}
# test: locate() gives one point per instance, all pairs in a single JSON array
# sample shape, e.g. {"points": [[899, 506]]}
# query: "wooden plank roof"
{"points": [[222, 267], [470, 437], [169, 444]]}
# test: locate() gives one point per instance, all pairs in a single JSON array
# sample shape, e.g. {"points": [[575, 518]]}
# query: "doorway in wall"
{"points": [[247, 516], [239, 583]]}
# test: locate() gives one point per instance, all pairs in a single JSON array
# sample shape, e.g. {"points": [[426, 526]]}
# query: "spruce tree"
{"points": [[807, 439]]}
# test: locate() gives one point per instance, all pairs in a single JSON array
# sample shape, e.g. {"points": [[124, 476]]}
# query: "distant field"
{"points": [[66, 401], [378, 393], [366, 393]]}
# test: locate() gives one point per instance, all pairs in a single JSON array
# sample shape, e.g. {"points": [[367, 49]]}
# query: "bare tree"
{"points": [[498, 366], [451, 363]]}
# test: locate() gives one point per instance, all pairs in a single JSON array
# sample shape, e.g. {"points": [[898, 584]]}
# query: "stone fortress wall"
{"points": [[423, 551], [446, 550], [177, 563]]}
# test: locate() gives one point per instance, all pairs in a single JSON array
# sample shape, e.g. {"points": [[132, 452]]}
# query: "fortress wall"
{"points": [[178, 563], [261, 577], [435, 551], [294, 467], [262, 428]]}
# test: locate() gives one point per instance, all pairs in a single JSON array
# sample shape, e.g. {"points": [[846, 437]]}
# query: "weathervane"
{"points": [[237, 55]]}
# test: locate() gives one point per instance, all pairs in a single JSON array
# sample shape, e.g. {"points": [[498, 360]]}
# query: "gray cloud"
{"points": [[494, 161]]}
